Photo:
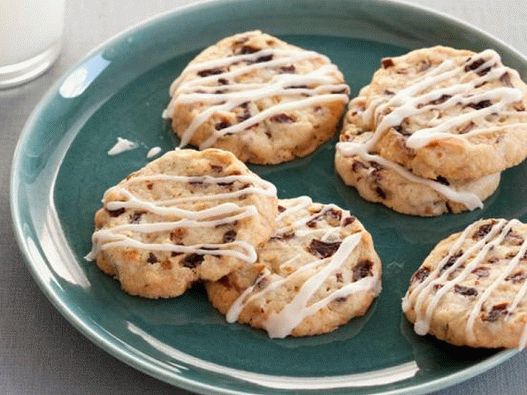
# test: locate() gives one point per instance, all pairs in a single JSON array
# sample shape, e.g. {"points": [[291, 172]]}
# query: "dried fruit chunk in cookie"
{"points": [[472, 290], [262, 99], [318, 271], [186, 216], [443, 112]]}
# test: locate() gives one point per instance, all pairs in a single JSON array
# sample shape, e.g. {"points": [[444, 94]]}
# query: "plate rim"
{"points": [[133, 357]]}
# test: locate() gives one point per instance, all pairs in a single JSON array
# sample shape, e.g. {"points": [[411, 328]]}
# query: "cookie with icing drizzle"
{"points": [[262, 99], [472, 288], [380, 181], [184, 217], [443, 112], [318, 271]]}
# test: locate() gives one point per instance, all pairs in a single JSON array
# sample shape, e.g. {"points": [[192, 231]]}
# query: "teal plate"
{"points": [[61, 169]]}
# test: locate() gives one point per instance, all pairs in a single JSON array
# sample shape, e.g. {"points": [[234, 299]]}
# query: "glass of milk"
{"points": [[30, 38]]}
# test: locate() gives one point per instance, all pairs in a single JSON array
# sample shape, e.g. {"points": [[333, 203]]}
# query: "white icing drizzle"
{"points": [[480, 131], [239, 304], [469, 199], [281, 324], [422, 292], [234, 94], [299, 224], [276, 281], [122, 145], [485, 295], [276, 109], [192, 219], [434, 274], [424, 136], [166, 114], [422, 323], [281, 58], [153, 152], [122, 235], [246, 254], [411, 102], [298, 204], [256, 185]]}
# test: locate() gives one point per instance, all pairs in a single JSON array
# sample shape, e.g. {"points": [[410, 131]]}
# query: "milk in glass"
{"points": [[30, 38]]}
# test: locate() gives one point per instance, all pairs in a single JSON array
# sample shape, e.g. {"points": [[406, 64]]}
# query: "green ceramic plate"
{"points": [[61, 169]]}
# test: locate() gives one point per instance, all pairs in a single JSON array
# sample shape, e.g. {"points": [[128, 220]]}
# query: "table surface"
{"points": [[40, 352]]}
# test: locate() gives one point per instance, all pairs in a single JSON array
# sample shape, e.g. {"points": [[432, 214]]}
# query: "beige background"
{"points": [[39, 351]]}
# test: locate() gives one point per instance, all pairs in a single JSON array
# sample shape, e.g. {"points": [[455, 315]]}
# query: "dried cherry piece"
{"points": [[222, 125], [152, 258], [474, 64], [480, 105], [262, 59], [440, 100], [248, 49], [451, 261], [517, 277], [282, 118], [348, 220], [380, 192], [496, 312], [481, 272], [421, 274], [229, 236], [193, 260], [209, 72], [387, 62], [116, 213], [362, 269], [442, 180], [465, 291], [482, 231], [135, 218], [288, 69], [322, 249]]}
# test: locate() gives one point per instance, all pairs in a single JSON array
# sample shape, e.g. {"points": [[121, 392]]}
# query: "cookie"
{"points": [[380, 181], [443, 112], [318, 271], [262, 99], [471, 290], [184, 217]]}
